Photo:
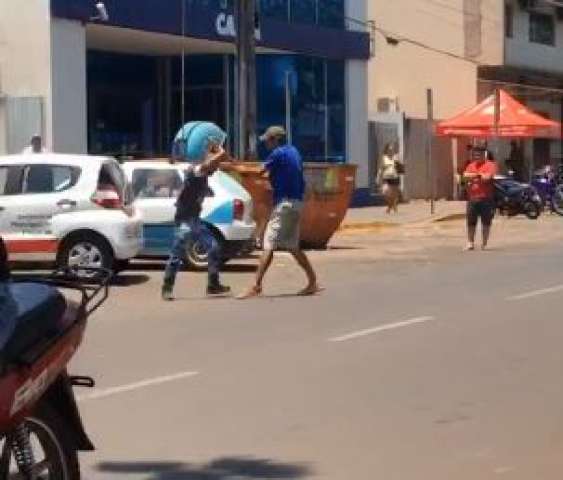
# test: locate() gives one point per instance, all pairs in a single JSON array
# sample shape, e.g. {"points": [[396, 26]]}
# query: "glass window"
{"points": [[50, 178], [315, 88], [271, 99], [277, 9], [308, 118], [123, 104], [11, 180], [331, 13], [304, 11], [151, 183], [336, 103], [213, 4], [509, 20], [542, 28], [3, 180]]}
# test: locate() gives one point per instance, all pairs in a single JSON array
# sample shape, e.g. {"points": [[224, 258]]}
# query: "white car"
{"points": [[72, 209], [227, 210]]}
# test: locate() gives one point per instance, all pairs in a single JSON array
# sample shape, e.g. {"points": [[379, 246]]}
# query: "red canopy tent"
{"points": [[513, 120]]}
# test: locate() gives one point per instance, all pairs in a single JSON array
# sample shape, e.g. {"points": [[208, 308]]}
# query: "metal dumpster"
{"points": [[329, 191]]}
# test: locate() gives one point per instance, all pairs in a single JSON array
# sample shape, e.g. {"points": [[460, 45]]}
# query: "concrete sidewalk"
{"points": [[416, 211]]}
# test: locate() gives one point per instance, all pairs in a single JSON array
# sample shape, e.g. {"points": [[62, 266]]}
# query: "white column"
{"points": [[357, 135], [68, 87], [357, 144], [24, 67]]}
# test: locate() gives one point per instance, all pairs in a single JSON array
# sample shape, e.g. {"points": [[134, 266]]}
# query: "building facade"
{"points": [[462, 50], [116, 86]]}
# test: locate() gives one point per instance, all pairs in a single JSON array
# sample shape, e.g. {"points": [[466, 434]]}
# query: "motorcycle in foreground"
{"points": [[515, 198], [41, 431]]}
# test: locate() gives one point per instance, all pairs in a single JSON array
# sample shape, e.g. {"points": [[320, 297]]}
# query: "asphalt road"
{"points": [[417, 362]]}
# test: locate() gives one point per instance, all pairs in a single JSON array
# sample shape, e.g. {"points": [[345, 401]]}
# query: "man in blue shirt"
{"points": [[285, 168]]}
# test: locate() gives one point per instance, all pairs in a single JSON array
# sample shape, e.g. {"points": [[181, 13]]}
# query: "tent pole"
{"points": [[455, 165], [497, 122]]}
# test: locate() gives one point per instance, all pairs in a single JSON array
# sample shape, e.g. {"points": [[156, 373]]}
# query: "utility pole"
{"points": [[245, 104], [430, 163]]}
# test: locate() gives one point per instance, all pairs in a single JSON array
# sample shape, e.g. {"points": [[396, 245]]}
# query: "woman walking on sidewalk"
{"points": [[389, 177]]}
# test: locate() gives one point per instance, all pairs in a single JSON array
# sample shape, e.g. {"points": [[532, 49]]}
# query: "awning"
{"points": [[514, 120]]}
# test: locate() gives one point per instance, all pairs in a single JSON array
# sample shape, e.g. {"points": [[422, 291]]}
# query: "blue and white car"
{"points": [[227, 210]]}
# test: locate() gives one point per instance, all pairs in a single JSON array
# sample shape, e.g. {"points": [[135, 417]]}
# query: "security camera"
{"points": [[102, 15]]}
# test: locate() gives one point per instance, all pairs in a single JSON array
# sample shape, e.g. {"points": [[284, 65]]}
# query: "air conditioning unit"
{"points": [[387, 105]]}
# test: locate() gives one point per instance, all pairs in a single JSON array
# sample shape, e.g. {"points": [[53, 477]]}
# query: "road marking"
{"points": [[109, 392], [536, 293], [382, 328]]}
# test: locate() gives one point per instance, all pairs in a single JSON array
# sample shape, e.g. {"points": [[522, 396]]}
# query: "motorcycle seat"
{"points": [[36, 315]]}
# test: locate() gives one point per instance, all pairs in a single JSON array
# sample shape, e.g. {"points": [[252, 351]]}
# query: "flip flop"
{"points": [[310, 291], [251, 293]]}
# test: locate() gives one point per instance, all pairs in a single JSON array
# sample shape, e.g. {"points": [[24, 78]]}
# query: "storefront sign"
{"points": [[225, 26], [213, 23]]}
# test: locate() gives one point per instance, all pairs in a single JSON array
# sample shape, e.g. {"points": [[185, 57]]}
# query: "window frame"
{"points": [[533, 30], [508, 20]]}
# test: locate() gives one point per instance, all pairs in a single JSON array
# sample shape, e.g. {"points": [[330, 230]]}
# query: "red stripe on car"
{"points": [[31, 246]]}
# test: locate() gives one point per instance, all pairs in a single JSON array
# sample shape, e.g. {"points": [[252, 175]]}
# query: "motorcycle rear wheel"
{"points": [[557, 201], [55, 457], [531, 210]]}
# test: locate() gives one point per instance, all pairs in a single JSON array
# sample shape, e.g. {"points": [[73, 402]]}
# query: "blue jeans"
{"points": [[186, 234]]}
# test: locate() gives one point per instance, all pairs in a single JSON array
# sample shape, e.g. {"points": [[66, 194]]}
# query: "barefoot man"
{"points": [[285, 168]]}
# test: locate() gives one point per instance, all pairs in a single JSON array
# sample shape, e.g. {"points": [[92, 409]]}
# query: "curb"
{"points": [[450, 218], [368, 225], [382, 225]]}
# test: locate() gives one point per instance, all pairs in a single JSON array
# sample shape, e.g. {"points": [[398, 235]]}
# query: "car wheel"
{"points": [[86, 250], [197, 254]]}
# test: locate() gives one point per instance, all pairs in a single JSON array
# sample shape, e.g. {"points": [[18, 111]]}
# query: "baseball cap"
{"points": [[273, 132]]}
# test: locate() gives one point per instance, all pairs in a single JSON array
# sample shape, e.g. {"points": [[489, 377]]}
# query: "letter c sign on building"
{"points": [[225, 26]]}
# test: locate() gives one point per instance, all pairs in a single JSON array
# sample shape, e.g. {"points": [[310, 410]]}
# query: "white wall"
{"points": [[405, 71], [45, 59], [68, 93], [520, 52], [24, 56], [357, 119], [357, 98]]}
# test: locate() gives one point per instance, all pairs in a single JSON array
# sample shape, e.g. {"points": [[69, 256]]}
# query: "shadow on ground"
{"points": [[238, 468], [121, 280], [158, 266]]}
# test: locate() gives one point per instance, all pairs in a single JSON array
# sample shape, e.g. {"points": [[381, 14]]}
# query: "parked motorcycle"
{"points": [[551, 192], [41, 431], [515, 198]]}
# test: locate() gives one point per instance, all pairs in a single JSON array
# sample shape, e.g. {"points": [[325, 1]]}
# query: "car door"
{"points": [[155, 191], [28, 216]]}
